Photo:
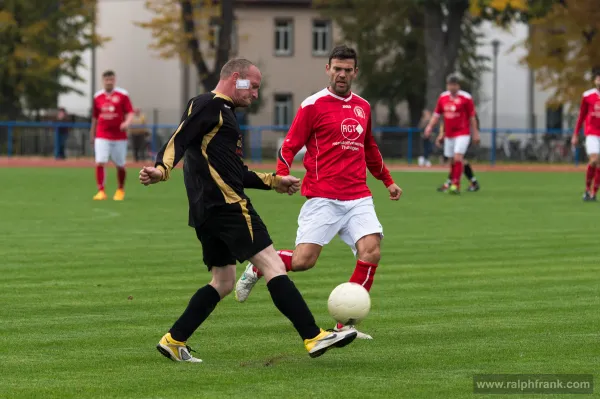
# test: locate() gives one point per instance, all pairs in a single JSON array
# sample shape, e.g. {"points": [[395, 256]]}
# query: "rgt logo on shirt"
{"points": [[351, 129]]}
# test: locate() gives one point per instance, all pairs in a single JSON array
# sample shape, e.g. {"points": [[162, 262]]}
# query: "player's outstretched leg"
{"points": [[590, 179], [368, 249], [291, 304], [101, 194], [457, 170], [251, 275], [596, 184], [120, 193], [119, 154], [173, 344], [474, 184], [444, 187]]}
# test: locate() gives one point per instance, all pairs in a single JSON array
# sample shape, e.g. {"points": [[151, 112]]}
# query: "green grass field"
{"points": [[506, 280]]}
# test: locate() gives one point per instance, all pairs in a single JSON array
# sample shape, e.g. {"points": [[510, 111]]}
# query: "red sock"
{"points": [[596, 181], [100, 177], [286, 257], [457, 172], [121, 177], [363, 275], [589, 176]]}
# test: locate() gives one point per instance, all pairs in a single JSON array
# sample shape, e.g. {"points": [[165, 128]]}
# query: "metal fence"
{"points": [[261, 142]]}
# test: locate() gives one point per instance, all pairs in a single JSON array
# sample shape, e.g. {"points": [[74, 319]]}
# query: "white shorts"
{"points": [[321, 219], [116, 150], [456, 145], [592, 144]]}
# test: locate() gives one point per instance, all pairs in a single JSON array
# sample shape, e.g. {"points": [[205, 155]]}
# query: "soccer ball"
{"points": [[349, 303]]}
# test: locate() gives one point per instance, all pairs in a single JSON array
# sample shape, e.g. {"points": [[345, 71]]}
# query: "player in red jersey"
{"points": [[589, 113], [459, 120], [335, 126], [111, 117]]}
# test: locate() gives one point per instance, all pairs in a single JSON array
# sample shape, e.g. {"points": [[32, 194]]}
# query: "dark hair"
{"points": [[453, 79], [343, 52], [240, 65], [595, 73], [108, 73]]}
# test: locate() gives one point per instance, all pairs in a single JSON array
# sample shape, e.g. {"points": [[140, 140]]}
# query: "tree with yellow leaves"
{"points": [[563, 47], [187, 28]]}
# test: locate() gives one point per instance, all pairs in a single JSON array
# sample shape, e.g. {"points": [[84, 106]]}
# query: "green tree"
{"points": [[390, 37], [40, 42]]}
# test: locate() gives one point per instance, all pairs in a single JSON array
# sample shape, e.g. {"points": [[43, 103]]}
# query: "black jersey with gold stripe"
{"points": [[210, 138]]}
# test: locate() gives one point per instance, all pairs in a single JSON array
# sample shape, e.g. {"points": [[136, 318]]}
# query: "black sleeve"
{"points": [[261, 181], [198, 121]]}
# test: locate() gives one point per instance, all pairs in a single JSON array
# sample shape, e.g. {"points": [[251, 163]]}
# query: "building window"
{"points": [[283, 109], [284, 36], [321, 38]]}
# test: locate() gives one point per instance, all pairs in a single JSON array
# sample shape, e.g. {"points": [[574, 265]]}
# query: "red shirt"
{"points": [[457, 112], [339, 147], [590, 113], [110, 109]]}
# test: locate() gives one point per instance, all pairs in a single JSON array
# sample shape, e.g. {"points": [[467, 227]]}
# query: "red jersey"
{"points": [[110, 110], [589, 112], [457, 112], [339, 147]]}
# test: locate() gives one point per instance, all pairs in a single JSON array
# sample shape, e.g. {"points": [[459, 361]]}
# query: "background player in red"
{"points": [[335, 126], [111, 116], [589, 113], [459, 120]]}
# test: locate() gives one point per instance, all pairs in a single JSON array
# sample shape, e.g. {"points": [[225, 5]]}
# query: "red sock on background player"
{"points": [[363, 275], [100, 177], [286, 257], [596, 181], [121, 173], [457, 172], [589, 177]]}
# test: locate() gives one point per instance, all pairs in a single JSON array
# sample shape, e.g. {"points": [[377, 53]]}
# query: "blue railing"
{"points": [[255, 136]]}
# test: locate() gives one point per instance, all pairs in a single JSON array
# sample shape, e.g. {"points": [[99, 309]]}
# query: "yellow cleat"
{"points": [[100, 196], [175, 350], [454, 189], [119, 195], [329, 339]]}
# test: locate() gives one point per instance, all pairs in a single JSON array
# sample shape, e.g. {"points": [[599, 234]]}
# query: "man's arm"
{"points": [[129, 114], [474, 121], [95, 115], [295, 139], [93, 129], [583, 111], [260, 181], [374, 159], [200, 120], [434, 118]]}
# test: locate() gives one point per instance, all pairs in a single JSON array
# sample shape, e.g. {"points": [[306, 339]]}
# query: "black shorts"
{"points": [[232, 232]]}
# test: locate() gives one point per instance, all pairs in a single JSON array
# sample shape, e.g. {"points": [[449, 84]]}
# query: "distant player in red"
{"points": [[589, 113], [335, 126], [112, 115], [459, 121]]}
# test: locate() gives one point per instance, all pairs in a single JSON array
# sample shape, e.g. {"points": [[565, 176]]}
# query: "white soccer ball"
{"points": [[349, 303]]}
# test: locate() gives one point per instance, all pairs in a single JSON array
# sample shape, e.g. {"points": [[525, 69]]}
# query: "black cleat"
{"points": [[443, 188], [474, 187], [589, 197]]}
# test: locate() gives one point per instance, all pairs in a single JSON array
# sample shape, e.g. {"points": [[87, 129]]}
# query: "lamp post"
{"points": [[495, 47]]}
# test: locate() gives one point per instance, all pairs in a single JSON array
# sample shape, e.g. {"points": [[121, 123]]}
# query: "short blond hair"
{"points": [[240, 65]]}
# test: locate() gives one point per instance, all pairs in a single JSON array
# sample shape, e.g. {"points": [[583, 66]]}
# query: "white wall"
{"points": [[153, 83], [513, 81]]}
